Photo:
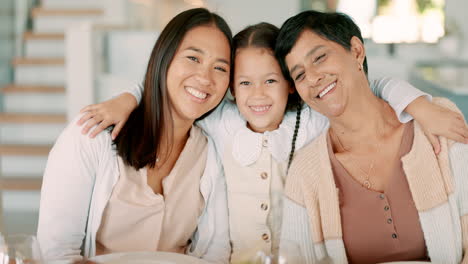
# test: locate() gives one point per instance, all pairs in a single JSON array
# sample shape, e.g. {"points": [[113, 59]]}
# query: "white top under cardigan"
{"points": [[246, 155], [79, 178]]}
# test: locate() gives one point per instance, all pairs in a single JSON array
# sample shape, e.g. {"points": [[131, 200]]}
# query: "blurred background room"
{"points": [[57, 56]]}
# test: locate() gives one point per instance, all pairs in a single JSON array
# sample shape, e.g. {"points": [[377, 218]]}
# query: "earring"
{"points": [[360, 67]]}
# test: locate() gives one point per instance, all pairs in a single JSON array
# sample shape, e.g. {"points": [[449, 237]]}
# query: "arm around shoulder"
{"points": [[399, 94]]}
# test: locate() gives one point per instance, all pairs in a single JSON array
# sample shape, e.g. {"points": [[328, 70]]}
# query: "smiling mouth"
{"points": [[260, 108], [326, 90], [196, 93]]}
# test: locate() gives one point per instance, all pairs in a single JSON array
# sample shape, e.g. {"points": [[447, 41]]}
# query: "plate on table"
{"points": [[146, 258], [406, 262]]}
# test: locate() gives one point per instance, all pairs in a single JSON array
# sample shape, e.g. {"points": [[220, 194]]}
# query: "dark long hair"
{"points": [[264, 35], [336, 27], [139, 141]]}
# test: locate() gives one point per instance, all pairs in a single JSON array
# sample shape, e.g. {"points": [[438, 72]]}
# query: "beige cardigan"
{"points": [[438, 183]]}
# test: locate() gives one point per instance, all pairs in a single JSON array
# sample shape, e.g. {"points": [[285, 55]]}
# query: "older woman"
{"points": [[156, 187], [369, 189]]}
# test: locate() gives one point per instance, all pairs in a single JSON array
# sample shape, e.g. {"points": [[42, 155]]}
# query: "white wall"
{"points": [[241, 13], [381, 64], [456, 10]]}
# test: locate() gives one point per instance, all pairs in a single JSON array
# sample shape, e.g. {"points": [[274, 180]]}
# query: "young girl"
{"points": [[257, 135]]}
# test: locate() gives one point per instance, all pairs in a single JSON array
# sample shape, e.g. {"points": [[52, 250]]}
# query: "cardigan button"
{"points": [[265, 143], [394, 236], [264, 175], [389, 221], [264, 206], [386, 208], [382, 196], [265, 237]]}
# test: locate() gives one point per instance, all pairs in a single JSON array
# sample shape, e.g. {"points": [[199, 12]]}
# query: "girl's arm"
{"points": [[111, 112], [409, 102], [66, 194], [117, 110]]}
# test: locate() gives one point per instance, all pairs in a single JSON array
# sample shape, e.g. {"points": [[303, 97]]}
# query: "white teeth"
{"points": [[326, 90], [260, 108], [196, 93]]}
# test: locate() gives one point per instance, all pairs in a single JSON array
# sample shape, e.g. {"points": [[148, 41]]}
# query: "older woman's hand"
{"points": [[437, 120], [112, 112]]}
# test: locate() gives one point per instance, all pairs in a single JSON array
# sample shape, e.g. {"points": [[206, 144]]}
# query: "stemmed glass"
{"points": [[20, 249], [288, 253]]}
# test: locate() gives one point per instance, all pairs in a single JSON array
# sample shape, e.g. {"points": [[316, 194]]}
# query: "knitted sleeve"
{"points": [[293, 185], [295, 233]]}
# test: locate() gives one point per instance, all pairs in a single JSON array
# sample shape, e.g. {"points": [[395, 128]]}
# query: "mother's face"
{"points": [[324, 72], [198, 75]]}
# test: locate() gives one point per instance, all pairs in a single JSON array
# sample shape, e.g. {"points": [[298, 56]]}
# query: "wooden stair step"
{"points": [[26, 150], [20, 183], [39, 11], [43, 36], [32, 118], [19, 88], [38, 61]]}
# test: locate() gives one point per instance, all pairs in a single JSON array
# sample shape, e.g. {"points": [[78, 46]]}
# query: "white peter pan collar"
{"points": [[247, 144]]}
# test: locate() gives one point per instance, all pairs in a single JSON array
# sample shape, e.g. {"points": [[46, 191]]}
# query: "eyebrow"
{"points": [[264, 75], [202, 52], [312, 51]]}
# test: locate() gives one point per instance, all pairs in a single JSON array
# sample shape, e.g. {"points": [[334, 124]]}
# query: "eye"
{"points": [[245, 83], [192, 58], [221, 69], [270, 81], [299, 77], [319, 58]]}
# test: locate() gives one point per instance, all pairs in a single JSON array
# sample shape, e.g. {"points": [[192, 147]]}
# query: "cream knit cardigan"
{"points": [[438, 183]]}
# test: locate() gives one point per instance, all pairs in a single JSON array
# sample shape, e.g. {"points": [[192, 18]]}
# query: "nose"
{"points": [[258, 90], [313, 76], [204, 76]]}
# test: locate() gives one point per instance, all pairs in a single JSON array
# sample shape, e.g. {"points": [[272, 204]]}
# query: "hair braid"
{"points": [[296, 131]]}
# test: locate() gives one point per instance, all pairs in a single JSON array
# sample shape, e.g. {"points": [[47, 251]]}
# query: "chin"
{"points": [[193, 114], [333, 111]]}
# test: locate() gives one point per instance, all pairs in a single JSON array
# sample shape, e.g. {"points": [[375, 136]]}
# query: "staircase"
{"points": [[34, 108]]}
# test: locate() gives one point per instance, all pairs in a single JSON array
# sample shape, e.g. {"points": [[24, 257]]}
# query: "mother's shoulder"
{"points": [[73, 134]]}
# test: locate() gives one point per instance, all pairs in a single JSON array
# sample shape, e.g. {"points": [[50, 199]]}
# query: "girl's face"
{"points": [[260, 89], [198, 75]]}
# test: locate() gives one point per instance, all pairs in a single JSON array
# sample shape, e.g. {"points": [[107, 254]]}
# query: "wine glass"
{"points": [[20, 249], [288, 253]]}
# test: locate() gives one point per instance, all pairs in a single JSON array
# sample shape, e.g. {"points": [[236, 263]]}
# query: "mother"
{"points": [[156, 186], [369, 189]]}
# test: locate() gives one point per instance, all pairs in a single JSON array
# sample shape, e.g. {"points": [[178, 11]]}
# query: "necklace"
{"points": [[367, 180]]}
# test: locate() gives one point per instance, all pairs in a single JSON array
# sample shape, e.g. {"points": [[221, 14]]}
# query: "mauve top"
{"points": [[379, 227], [137, 219]]}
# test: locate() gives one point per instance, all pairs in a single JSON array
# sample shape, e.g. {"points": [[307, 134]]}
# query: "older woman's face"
{"points": [[198, 75], [324, 72]]}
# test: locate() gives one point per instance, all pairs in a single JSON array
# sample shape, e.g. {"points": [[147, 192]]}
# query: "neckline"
{"points": [[349, 178]]}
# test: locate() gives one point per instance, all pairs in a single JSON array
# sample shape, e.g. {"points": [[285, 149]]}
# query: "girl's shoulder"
{"points": [[223, 121]]}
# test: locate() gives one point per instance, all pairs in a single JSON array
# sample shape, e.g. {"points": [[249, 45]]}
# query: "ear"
{"points": [[358, 50]]}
